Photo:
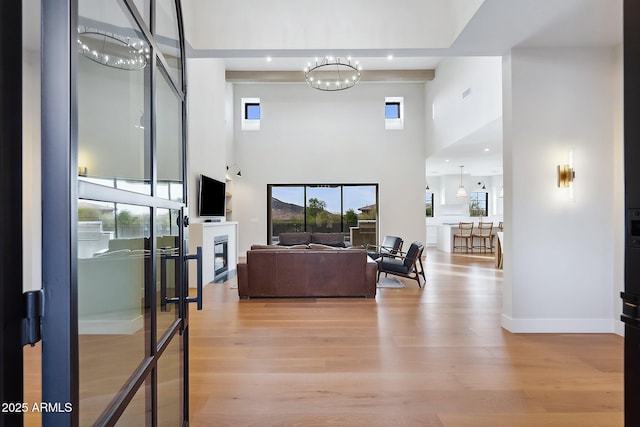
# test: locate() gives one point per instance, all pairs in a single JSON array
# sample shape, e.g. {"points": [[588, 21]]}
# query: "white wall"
{"points": [[206, 141], [31, 194], [455, 117], [309, 136], [559, 264]]}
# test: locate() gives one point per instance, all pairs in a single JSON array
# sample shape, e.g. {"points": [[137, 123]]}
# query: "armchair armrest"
{"points": [[399, 254], [371, 245]]}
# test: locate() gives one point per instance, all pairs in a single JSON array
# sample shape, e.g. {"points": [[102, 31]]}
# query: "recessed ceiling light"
{"points": [[447, 160], [268, 59], [390, 57], [486, 149]]}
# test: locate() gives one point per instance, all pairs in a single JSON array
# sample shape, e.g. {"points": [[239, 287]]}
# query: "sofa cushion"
{"points": [[317, 246], [290, 239], [330, 239], [298, 247]]}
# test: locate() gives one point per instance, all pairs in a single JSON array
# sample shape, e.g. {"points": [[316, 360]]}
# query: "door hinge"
{"points": [[31, 323]]}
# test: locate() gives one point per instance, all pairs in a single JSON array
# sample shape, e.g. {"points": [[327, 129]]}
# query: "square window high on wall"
{"points": [[394, 113], [251, 113]]}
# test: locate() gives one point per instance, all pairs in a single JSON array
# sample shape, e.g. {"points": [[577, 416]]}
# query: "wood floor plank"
{"points": [[434, 356]]}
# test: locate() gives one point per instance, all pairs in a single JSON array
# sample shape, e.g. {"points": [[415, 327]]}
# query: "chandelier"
{"points": [[332, 73], [112, 49]]}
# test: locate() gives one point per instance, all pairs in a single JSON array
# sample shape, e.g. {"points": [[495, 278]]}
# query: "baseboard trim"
{"points": [[558, 326]]}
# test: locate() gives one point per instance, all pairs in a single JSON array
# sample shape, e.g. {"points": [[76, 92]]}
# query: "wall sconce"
{"points": [[234, 169], [566, 175], [82, 171]]}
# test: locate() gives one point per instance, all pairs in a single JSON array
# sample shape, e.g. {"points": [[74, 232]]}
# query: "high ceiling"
{"points": [[415, 32], [283, 35]]}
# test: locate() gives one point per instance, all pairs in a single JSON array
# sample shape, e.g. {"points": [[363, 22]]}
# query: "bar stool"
{"points": [[483, 232], [465, 231]]}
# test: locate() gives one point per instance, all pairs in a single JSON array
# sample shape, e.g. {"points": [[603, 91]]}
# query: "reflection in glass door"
{"points": [[123, 327]]}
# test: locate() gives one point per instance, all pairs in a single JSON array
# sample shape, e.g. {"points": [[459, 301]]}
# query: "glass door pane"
{"points": [[167, 238], [361, 214], [168, 141], [324, 209], [111, 67], [170, 385], [144, 8], [113, 265], [287, 210], [136, 414], [168, 36]]}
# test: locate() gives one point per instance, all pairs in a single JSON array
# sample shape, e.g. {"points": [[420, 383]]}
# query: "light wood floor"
{"points": [[412, 357]]}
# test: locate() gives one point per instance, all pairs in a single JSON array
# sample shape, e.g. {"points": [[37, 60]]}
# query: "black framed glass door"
{"points": [[115, 337]]}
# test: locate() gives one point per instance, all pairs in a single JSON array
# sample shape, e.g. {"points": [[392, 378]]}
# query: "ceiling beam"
{"points": [[298, 76]]}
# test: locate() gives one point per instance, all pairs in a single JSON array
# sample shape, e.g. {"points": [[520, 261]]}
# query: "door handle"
{"points": [[164, 300], [198, 257]]}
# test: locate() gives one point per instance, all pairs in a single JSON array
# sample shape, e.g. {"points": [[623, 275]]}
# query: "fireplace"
{"points": [[220, 257]]}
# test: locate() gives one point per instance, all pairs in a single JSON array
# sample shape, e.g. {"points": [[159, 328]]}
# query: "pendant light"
{"points": [[461, 193]]}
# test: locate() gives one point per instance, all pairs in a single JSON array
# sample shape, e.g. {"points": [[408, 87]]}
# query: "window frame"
{"points": [[480, 211], [343, 222], [429, 195], [246, 110], [245, 123], [389, 104], [398, 122]]}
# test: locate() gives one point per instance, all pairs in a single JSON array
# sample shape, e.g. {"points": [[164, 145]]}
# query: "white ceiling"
{"points": [[495, 28], [482, 28]]}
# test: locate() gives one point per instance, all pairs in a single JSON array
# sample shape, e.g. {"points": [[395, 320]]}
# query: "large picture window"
{"points": [[351, 209]]}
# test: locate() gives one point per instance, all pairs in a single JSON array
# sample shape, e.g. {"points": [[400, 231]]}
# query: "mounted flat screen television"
{"points": [[212, 197]]}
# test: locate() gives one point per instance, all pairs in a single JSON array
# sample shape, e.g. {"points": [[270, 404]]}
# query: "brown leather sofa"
{"points": [[285, 272]]}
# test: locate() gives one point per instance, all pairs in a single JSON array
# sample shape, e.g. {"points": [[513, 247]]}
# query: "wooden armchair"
{"points": [[405, 264]]}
